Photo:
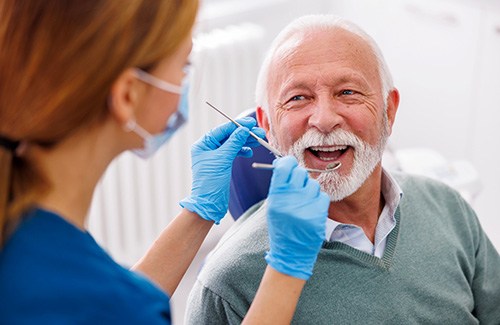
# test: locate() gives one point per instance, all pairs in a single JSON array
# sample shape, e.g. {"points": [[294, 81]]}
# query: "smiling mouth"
{"points": [[329, 153]]}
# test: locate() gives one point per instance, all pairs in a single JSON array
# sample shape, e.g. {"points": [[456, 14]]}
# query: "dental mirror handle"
{"points": [[331, 167]]}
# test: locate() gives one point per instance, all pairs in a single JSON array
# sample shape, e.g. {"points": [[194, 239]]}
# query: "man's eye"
{"points": [[295, 102], [298, 97], [347, 92]]}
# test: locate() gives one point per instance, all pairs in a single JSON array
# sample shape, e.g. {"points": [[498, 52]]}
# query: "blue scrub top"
{"points": [[51, 272]]}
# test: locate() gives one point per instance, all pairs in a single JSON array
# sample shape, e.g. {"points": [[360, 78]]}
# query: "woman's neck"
{"points": [[73, 169]]}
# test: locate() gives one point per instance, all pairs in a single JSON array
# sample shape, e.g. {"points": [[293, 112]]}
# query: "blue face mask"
{"points": [[153, 142]]}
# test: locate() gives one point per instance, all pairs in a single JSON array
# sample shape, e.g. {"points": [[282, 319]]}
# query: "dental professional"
{"points": [[82, 82]]}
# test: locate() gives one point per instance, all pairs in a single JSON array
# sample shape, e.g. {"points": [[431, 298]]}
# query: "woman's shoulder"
{"points": [[49, 268]]}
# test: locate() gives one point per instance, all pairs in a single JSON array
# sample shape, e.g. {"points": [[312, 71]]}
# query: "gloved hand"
{"points": [[211, 164], [296, 217]]}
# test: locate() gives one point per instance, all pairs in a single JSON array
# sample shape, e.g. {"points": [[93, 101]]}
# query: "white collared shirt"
{"points": [[354, 236]]}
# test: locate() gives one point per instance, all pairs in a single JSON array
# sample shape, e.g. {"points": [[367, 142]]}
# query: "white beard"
{"points": [[366, 158]]}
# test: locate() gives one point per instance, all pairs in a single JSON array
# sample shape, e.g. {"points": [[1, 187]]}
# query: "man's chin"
{"points": [[339, 187], [336, 195]]}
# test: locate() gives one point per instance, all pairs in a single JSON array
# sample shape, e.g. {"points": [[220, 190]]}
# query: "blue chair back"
{"points": [[249, 185]]}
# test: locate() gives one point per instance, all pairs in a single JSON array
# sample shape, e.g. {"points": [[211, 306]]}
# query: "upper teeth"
{"points": [[332, 148]]}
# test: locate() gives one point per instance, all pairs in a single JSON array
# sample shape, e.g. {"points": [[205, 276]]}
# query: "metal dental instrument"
{"points": [[329, 168], [261, 141]]}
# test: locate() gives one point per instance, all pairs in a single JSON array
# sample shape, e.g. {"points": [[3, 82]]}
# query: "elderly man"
{"points": [[398, 249]]}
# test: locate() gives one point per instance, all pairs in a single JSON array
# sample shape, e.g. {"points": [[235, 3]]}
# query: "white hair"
{"points": [[312, 23]]}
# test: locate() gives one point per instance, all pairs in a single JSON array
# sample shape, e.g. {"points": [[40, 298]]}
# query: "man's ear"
{"points": [[124, 97], [262, 119], [392, 107]]}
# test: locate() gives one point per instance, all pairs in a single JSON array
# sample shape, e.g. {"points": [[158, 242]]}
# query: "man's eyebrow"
{"points": [[343, 78], [351, 77], [293, 85]]}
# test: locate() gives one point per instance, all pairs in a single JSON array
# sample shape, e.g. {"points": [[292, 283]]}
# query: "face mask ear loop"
{"points": [[158, 83], [132, 125]]}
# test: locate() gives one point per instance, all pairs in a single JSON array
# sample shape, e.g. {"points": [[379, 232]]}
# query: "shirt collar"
{"points": [[391, 191]]}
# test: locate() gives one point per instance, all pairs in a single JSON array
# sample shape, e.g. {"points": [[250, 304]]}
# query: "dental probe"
{"points": [[329, 168], [260, 140]]}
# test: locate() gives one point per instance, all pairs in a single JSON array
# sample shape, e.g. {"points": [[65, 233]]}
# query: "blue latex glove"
{"points": [[296, 217], [212, 160]]}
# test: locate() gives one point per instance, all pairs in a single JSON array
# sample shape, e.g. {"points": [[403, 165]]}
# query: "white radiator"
{"points": [[137, 198]]}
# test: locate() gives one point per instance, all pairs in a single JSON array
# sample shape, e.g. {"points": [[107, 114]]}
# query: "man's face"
{"points": [[326, 105]]}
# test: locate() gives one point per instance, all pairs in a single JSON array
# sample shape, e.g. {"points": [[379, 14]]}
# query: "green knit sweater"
{"points": [[438, 268]]}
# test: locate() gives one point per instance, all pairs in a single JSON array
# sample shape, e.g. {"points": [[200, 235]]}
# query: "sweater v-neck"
{"points": [[387, 258]]}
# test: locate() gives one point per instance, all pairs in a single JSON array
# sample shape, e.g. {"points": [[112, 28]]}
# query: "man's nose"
{"points": [[325, 116]]}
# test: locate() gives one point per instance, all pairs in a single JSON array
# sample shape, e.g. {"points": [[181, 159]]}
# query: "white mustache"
{"points": [[314, 138]]}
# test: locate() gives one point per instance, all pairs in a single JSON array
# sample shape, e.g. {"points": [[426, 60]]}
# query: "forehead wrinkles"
{"points": [[335, 46]]}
